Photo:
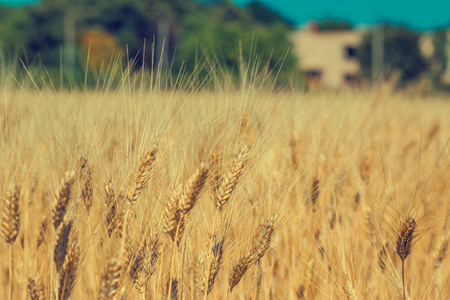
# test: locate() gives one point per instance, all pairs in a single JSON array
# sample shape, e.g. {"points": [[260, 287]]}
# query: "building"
{"points": [[328, 58], [426, 45]]}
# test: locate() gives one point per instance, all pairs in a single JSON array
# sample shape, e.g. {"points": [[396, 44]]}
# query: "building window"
{"points": [[313, 76], [350, 52], [313, 73], [351, 79]]}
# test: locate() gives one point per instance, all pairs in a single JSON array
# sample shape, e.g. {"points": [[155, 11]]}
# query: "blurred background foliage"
{"points": [[67, 34], [402, 56]]}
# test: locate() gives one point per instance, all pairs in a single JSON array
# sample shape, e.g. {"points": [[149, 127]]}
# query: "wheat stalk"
{"points": [[405, 237], [188, 198], [140, 179], [10, 226]]}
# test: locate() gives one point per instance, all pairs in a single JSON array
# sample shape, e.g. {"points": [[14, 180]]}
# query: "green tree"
{"points": [[333, 25], [439, 61], [401, 54], [13, 25], [265, 15], [220, 30], [216, 26]]}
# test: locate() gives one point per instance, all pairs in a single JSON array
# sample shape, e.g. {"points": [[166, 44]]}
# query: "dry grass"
{"points": [[224, 194]]}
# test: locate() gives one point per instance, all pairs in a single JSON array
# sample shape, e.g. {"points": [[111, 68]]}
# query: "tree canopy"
{"points": [[401, 54], [217, 27], [333, 25]]}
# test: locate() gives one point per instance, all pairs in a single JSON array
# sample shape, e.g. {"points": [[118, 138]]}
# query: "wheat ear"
{"points": [[140, 179], [441, 251], [86, 190], [172, 213], [152, 253], [193, 188], [10, 226], [172, 289], [35, 288], [61, 244], [239, 270], [206, 280], [142, 175], [405, 237], [260, 247], [42, 229], [135, 265], [188, 198], [266, 233], [111, 208], [231, 178], [62, 198], [11, 214], [110, 280], [315, 192], [69, 271]]}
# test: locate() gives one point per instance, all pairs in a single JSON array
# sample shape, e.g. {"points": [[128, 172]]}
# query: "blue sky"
{"points": [[16, 2], [420, 15]]}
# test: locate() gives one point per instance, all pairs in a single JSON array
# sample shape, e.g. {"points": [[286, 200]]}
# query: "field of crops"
{"points": [[226, 193]]}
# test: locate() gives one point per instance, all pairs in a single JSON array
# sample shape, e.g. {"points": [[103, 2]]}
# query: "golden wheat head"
{"points": [[207, 276], [262, 244], [62, 243], [35, 288], [87, 188], [172, 213], [142, 175], [193, 188], [231, 179], [11, 214], [62, 198], [69, 272], [405, 238], [109, 283], [239, 270]]}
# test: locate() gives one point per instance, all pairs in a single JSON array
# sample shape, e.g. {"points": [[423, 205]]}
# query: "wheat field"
{"points": [[224, 193]]}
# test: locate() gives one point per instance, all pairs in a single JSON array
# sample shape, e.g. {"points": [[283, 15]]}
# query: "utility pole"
{"points": [[377, 53], [69, 28], [162, 44]]}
